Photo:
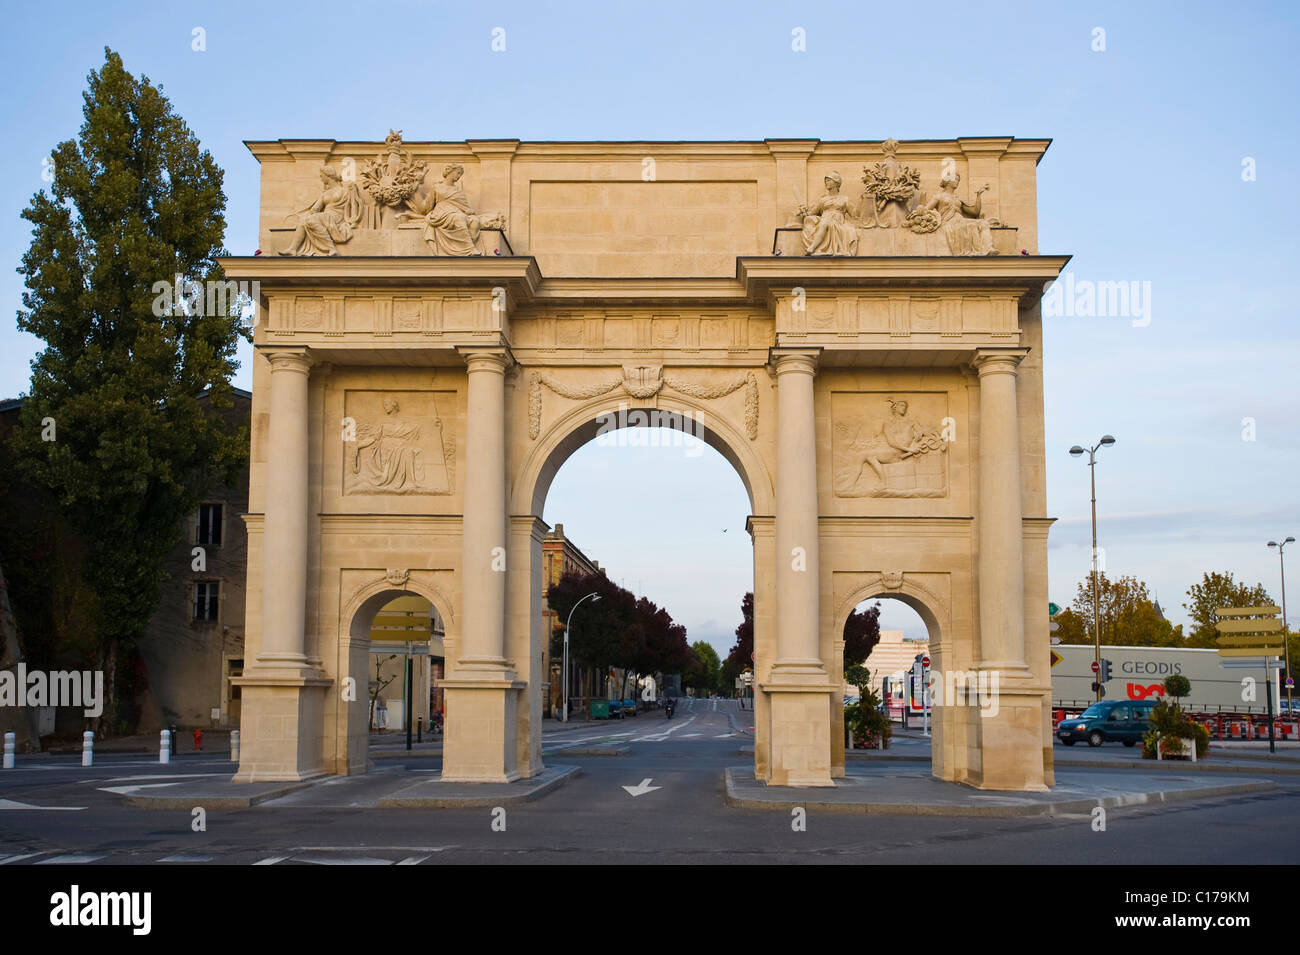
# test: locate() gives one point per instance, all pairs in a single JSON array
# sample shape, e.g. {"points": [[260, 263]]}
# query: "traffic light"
{"points": [[1099, 690], [1105, 670]]}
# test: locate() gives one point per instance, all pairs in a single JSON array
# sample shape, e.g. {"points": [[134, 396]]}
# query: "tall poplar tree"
{"points": [[113, 424]]}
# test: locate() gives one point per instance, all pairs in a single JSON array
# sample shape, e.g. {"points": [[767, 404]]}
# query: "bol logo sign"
{"points": [[1137, 691]]}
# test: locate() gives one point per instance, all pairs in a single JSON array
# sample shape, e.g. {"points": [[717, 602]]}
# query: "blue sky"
{"points": [[1143, 183]]}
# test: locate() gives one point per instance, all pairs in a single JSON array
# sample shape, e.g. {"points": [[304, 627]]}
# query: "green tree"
{"points": [[1128, 616], [703, 671], [113, 424], [1215, 591]]}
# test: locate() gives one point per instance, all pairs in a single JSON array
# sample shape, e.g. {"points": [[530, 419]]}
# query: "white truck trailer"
{"points": [[1138, 673]]}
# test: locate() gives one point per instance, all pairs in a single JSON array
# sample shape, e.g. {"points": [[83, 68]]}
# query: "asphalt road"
{"points": [[677, 816]]}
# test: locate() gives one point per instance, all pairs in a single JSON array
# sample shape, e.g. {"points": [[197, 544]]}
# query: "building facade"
{"points": [[560, 556]]}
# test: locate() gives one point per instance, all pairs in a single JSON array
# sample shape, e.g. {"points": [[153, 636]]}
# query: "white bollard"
{"points": [[88, 748], [234, 746], [164, 747], [9, 751]]}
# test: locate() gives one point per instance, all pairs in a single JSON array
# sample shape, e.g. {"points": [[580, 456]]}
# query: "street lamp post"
{"points": [[1105, 442], [564, 705], [1286, 645]]}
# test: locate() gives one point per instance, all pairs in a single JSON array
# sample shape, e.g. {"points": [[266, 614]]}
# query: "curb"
{"points": [[1044, 809], [174, 801], [591, 751], [1179, 766], [524, 791]]}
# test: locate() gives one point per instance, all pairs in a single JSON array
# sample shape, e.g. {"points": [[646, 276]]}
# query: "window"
{"points": [[206, 599], [210, 525]]}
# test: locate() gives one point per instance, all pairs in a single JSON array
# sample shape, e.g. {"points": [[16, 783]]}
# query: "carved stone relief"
{"points": [[889, 445], [330, 220], [643, 381], [894, 202], [401, 192], [391, 178], [398, 444]]}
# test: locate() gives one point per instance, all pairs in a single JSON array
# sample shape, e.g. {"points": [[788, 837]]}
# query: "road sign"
{"points": [[1095, 666], [1246, 625], [1290, 683], [1056, 658], [1249, 631], [925, 661], [1255, 664], [1260, 640], [1053, 609]]}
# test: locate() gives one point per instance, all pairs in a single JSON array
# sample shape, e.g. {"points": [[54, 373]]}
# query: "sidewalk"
{"points": [[888, 787]]}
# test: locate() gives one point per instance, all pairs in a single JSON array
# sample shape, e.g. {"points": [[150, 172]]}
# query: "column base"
{"points": [[1010, 743], [481, 745], [281, 726], [800, 733]]}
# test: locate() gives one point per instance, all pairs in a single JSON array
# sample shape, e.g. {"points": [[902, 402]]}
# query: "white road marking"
{"points": [[131, 779], [5, 860], [725, 736], [412, 860], [660, 737], [690, 735], [70, 860], [345, 860], [132, 790], [270, 860], [10, 804], [182, 857]]}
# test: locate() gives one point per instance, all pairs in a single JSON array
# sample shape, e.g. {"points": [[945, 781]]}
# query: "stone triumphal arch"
{"points": [[855, 326]]}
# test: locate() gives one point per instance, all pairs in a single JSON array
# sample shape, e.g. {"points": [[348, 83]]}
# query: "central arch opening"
{"points": [[656, 505]]}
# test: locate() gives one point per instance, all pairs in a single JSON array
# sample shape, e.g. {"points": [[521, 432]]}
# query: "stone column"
{"points": [[282, 717], [797, 551], [799, 684], [1001, 529], [284, 540], [482, 692], [483, 534], [1010, 732]]}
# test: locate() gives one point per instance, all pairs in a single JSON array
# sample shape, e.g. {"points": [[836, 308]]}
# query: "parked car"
{"points": [[1122, 721]]}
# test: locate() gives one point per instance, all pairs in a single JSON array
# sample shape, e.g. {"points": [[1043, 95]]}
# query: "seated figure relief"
{"points": [[962, 224], [451, 225], [827, 226], [329, 220], [894, 216]]}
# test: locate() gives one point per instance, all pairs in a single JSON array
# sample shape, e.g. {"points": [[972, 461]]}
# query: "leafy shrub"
{"points": [[1171, 728]]}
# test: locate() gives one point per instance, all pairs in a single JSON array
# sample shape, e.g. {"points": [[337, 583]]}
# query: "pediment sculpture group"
{"points": [[893, 199], [394, 189], [398, 190]]}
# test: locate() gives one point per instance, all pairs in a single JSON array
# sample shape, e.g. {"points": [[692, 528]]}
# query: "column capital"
{"points": [[802, 360], [289, 359], [994, 361], [487, 359]]}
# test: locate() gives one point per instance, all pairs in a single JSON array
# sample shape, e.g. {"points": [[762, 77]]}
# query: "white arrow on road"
{"points": [[641, 789]]}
